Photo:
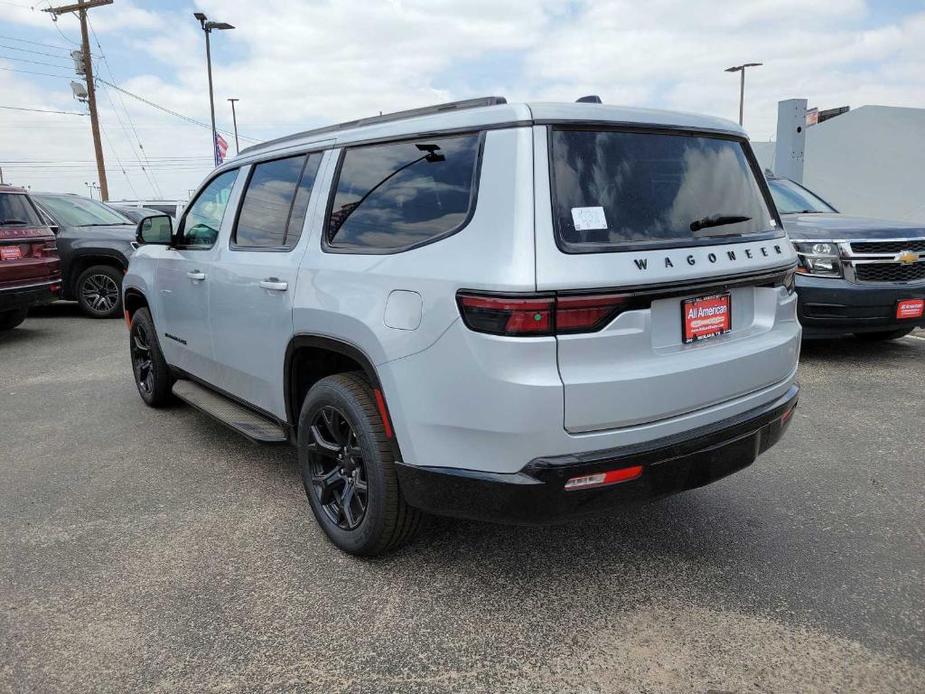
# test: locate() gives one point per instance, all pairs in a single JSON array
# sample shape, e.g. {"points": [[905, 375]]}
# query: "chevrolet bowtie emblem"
{"points": [[907, 257]]}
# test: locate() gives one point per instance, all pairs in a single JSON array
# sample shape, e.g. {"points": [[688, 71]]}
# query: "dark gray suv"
{"points": [[94, 242]]}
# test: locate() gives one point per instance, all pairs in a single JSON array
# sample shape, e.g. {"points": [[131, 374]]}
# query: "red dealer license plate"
{"points": [[910, 308], [10, 253], [706, 316]]}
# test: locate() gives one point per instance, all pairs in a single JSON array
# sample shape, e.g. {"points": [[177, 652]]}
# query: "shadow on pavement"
{"points": [[58, 309], [850, 348]]}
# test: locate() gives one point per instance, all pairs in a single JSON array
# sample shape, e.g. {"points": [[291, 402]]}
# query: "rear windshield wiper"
{"points": [[717, 220], [12, 222]]}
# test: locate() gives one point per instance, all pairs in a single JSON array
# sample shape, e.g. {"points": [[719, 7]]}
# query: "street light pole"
{"points": [[741, 69], [207, 28], [234, 119]]}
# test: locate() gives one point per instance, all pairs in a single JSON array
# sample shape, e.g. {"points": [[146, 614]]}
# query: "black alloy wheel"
{"points": [[152, 375], [142, 359], [338, 473], [347, 458], [99, 291]]}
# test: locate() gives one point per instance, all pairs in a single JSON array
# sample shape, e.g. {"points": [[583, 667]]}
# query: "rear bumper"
{"points": [[829, 307], [33, 294], [536, 494]]}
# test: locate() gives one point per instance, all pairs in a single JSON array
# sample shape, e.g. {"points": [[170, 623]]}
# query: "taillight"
{"points": [[501, 315], [586, 313], [539, 315]]}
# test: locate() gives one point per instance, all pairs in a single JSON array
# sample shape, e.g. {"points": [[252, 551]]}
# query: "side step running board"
{"points": [[252, 425]]}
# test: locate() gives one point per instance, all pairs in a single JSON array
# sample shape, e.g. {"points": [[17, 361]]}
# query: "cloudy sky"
{"points": [[296, 64]]}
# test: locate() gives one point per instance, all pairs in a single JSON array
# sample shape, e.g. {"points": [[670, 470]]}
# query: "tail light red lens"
{"points": [[500, 315], [537, 316], [586, 313]]}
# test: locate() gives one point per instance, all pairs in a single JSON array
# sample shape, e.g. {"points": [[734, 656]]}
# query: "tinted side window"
{"points": [[203, 218], [401, 194], [275, 202]]}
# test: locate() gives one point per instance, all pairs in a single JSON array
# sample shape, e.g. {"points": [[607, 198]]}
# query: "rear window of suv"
{"points": [[617, 190], [16, 210], [398, 195]]}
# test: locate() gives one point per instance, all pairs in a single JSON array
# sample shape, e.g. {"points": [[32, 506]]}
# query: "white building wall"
{"points": [[869, 162]]}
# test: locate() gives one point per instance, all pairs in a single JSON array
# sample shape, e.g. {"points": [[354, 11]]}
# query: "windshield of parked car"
{"points": [[792, 198], [16, 210], [75, 211], [616, 189]]}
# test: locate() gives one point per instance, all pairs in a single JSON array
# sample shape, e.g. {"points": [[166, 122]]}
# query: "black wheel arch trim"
{"points": [[338, 346]]}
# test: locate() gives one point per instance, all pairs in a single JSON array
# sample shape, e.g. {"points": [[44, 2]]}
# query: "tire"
{"points": [[152, 375], [99, 291], [883, 335], [339, 417], [10, 319]]}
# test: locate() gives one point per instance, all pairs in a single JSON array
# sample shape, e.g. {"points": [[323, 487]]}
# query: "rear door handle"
{"points": [[196, 275], [274, 284]]}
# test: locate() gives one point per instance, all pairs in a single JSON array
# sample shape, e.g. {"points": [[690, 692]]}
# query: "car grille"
{"points": [[890, 272], [888, 246]]}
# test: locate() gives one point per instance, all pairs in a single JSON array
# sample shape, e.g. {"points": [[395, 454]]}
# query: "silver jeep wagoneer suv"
{"points": [[514, 312]]}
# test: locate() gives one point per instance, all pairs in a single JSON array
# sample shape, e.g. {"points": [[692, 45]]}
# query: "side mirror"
{"points": [[157, 229]]}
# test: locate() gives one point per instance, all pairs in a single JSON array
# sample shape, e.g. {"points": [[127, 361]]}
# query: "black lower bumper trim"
{"points": [[537, 495], [32, 295], [834, 307]]}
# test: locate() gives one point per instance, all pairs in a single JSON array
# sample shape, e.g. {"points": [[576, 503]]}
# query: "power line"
{"points": [[119, 164], [36, 43], [172, 113], [33, 72], [34, 62], [152, 181], [30, 50], [43, 110]]}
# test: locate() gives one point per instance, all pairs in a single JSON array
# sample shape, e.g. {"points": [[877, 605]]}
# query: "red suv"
{"points": [[30, 271]]}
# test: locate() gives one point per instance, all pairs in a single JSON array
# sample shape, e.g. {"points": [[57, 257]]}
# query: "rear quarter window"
{"points": [[395, 196]]}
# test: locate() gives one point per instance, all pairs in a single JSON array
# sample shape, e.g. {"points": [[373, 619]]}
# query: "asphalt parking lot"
{"points": [[157, 550]]}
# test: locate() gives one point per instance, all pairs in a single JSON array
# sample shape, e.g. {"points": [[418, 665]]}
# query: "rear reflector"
{"points": [[383, 412], [601, 479]]}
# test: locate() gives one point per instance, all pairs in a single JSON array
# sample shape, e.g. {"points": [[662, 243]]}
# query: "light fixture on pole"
{"points": [[234, 119], [741, 69], [207, 28]]}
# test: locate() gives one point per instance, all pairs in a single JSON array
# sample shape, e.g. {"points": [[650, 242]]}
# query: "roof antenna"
{"points": [[590, 99]]}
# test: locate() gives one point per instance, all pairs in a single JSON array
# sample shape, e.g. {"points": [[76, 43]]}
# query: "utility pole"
{"points": [[741, 69], [234, 119], [80, 8]]}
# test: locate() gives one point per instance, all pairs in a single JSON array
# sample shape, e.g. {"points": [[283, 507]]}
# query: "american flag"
{"points": [[220, 148]]}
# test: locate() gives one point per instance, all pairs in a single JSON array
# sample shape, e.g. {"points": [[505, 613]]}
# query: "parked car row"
{"points": [[30, 272]]}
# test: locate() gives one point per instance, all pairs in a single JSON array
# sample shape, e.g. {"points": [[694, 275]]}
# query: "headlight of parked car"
{"points": [[819, 258]]}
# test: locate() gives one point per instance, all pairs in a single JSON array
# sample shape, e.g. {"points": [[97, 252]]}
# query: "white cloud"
{"points": [[297, 65]]}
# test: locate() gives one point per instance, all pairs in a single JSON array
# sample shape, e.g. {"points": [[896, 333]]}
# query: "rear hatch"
{"points": [[669, 245], [28, 253]]}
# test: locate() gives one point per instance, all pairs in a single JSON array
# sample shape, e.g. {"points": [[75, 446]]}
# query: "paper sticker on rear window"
{"points": [[589, 218]]}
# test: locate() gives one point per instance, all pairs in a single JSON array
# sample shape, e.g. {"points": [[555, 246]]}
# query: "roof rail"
{"points": [[387, 117]]}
